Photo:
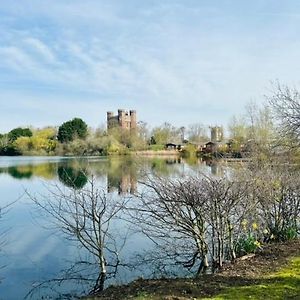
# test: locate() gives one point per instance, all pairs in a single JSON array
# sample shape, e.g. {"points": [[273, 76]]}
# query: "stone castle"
{"points": [[124, 119]]}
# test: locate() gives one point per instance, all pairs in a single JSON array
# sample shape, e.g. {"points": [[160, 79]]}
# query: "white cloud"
{"points": [[40, 49], [155, 57], [16, 58]]}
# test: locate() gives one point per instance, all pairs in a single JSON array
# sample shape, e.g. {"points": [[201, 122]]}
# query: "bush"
{"points": [[246, 245], [189, 150], [284, 234]]}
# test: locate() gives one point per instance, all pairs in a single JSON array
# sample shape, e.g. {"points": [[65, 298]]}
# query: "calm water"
{"points": [[31, 253]]}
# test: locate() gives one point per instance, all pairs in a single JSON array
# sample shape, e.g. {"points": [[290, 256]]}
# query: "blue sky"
{"points": [[180, 61]]}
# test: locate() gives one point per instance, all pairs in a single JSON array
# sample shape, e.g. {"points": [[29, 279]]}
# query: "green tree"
{"points": [[166, 133], [6, 147], [70, 130], [18, 132]]}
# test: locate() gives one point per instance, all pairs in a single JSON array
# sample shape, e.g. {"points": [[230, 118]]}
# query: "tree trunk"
{"points": [[99, 285]]}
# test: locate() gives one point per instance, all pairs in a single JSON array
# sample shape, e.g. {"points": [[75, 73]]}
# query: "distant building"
{"points": [[216, 134], [124, 119], [210, 147]]}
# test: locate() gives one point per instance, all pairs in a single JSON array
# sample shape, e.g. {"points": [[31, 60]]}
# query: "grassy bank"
{"points": [[274, 273], [151, 153]]}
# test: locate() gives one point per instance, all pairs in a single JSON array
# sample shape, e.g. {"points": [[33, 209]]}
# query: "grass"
{"points": [[284, 284]]}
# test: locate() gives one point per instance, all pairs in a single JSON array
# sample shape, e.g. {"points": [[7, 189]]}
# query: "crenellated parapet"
{"points": [[124, 119]]}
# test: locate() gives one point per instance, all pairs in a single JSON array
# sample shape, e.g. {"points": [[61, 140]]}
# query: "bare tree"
{"points": [[278, 194], [194, 218], [227, 203], [85, 215], [172, 212], [197, 133], [285, 103]]}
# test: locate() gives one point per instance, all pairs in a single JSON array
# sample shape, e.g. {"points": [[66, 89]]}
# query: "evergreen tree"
{"points": [[70, 130], [17, 132]]}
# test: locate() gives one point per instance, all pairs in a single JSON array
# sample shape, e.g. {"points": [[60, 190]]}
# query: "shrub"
{"points": [[246, 245]]}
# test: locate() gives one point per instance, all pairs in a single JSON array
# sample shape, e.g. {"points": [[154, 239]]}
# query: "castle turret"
{"points": [[110, 118], [121, 118], [132, 119]]}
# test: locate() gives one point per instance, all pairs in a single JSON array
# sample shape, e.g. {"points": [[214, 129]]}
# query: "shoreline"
{"points": [[247, 272]]}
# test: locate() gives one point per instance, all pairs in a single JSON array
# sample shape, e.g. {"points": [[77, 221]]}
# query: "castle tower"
{"points": [[121, 118], [110, 114], [124, 119], [132, 119], [112, 120]]}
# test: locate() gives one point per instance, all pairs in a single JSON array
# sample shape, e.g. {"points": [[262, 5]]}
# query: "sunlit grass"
{"points": [[284, 284]]}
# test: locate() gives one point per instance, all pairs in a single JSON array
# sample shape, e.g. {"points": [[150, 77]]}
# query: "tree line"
{"points": [[259, 128]]}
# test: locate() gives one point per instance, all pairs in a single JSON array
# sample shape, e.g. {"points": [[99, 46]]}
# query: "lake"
{"points": [[36, 259]]}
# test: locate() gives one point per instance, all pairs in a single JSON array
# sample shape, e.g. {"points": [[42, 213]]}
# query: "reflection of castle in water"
{"points": [[173, 160], [124, 184], [122, 177], [120, 174]]}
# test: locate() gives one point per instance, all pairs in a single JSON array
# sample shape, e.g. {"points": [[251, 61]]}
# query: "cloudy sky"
{"points": [[180, 61]]}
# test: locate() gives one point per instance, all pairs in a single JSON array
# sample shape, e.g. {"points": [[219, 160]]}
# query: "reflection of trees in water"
{"points": [[86, 212], [73, 282], [169, 258], [164, 166], [20, 172], [122, 172], [71, 177], [87, 216], [44, 170]]}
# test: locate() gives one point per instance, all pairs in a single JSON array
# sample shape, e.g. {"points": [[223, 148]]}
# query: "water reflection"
{"points": [[121, 173], [73, 282], [45, 170], [90, 218], [72, 177], [19, 172], [122, 176], [46, 252]]}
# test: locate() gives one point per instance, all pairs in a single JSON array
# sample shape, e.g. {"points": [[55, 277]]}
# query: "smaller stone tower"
{"points": [[216, 134], [132, 119], [112, 120]]}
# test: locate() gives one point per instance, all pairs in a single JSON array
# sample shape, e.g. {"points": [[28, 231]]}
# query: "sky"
{"points": [[176, 61]]}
